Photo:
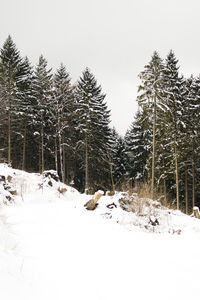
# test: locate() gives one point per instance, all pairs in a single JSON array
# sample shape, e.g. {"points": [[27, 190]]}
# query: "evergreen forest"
{"points": [[46, 122]]}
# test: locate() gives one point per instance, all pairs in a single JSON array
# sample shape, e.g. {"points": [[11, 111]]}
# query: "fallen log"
{"points": [[92, 204]]}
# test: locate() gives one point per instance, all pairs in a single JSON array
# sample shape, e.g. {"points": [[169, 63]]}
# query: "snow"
{"points": [[51, 247]]}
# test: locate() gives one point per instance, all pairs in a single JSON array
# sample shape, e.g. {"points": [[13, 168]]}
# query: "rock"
{"points": [[51, 174], [62, 190], [9, 178], [2, 178], [196, 212], [109, 193], [107, 216], [13, 192], [9, 198], [10, 189], [111, 206], [153, 221], [127, 204], [50, 183]]}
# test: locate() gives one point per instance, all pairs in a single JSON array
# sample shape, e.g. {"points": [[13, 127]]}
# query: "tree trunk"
{"points": [[92, 204], [111, 173], [42, 146], [165, 191], [86, 167], [154, 146], [24, 147], [186, 191], [39, 158], [64, 161], [9, 137], [56, 155], [9, 123], [177, 175], [193, 176], [61, 156]]}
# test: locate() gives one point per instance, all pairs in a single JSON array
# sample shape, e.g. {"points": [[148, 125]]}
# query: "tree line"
{"points": [[47, 122], [163, 141]]}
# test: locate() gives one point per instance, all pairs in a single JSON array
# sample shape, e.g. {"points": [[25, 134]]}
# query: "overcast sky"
{"points": [[114, 38]]}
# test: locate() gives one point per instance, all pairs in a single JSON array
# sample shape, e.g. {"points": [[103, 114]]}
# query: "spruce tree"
{"points": [[190, 139], [94, 132], [23, 110], [173, 95], [118, 159], [150, 100], [12, 72], [138, 140], [64, 107], [44, 119]]}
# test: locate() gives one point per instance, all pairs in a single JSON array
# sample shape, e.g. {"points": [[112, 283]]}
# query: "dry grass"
{"points": [[144, 191]]}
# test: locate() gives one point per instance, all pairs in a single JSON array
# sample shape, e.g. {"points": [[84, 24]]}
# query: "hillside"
{"points": [[51, 247]]}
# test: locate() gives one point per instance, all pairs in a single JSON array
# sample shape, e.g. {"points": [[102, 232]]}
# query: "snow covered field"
{"points": [[51, 248]]}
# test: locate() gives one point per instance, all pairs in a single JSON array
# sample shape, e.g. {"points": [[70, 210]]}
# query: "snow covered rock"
{"points": [[51, 174], [196, 212]]}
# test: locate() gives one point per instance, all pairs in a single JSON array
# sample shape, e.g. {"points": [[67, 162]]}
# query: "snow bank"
{"points": [[51, 247]]}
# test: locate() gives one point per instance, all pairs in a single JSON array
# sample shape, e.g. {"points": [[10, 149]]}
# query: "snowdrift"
{"points": [[18, 187], [51, 247]]}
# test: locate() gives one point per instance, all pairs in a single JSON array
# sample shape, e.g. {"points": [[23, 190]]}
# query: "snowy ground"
{"points": [[51, 247]]}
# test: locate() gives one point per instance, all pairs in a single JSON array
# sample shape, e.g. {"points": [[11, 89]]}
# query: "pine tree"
{"points": [[138, 140], [94, 131], [44, 119], [173, 95], [64, 109], [118, 159], [190, 139], [12, 72], [150, 100], [23, 111]]}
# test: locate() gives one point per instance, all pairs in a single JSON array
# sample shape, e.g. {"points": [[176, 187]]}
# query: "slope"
{"points": [[54, 249]]}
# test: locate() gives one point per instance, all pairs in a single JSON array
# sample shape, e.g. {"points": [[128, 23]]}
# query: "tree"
{"points": [[150, 99], [138, 141], [173, 95], [190, 139], [23, 110], [118, 159], [44, 117], [94, 132], [12, 72], [64, 109]]}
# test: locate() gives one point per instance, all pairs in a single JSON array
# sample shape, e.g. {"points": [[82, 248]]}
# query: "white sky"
{"points": [[114, 38]]}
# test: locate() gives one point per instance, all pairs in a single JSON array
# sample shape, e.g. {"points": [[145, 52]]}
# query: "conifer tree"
{"points": [[12, 72], [23, 110], [64, 109], [173, 95], [119, 159], [150, 100], [138, 140], [94, 131], [44, 118], [190, 139]]}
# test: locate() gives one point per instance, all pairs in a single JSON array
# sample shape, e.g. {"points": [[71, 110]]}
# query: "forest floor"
{"points": [[51, 247]]}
